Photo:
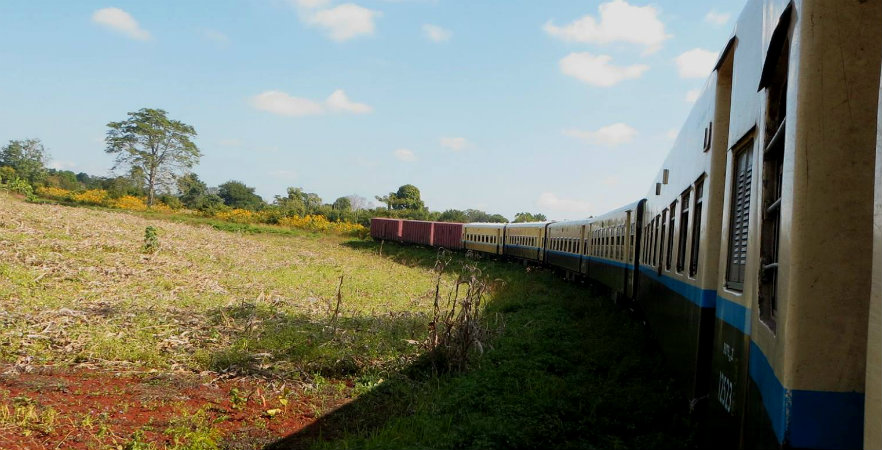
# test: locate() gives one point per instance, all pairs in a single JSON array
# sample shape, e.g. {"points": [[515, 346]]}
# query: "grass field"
{"points": [[231, 337]]}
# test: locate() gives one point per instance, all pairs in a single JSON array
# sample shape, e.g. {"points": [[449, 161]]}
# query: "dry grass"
{"points": [[76, 288]]}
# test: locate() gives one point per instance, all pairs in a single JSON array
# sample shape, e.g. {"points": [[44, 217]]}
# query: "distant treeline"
{"points": [[23, 163]]}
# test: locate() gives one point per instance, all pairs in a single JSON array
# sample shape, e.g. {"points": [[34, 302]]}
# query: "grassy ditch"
{"points": [[567, 370]]}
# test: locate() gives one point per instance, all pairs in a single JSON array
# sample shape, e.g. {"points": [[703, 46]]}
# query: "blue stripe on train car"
{"points": [[560, 253], [528, 247], [704, 298], [734, 314], [800, 418], [609, 262], [808, 419]]}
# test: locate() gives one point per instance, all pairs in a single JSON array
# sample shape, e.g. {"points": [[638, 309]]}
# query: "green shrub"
{"points": [[171, 201], [151, 241], [7, 174], [20, 186]]}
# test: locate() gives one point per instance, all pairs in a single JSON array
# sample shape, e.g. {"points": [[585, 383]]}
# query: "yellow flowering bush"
{"points": [[321, 223], [130, 202], [237, 216], [161, 208], [53, 193], [92, 197]]}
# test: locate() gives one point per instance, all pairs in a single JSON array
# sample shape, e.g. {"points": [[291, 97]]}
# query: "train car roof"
{"points": [[528, 224], [617, 212], [569, 223], [484, 225]]}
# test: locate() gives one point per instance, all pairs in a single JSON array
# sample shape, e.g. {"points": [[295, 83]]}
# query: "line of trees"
{"points": [[154, 157]]}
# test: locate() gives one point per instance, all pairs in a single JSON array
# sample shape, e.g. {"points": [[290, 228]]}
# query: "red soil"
{"points": [[88, 409]]}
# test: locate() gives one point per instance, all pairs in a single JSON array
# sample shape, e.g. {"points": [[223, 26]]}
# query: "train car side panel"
{"points": [[565, 245], [448, 235], [417, 232], [483, 237], [525, 240], [873, 397]]}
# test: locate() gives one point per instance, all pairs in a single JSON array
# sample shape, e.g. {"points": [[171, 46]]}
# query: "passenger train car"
{"points": [[756, 254]]}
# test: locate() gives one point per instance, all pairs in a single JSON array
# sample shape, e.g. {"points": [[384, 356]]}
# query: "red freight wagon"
{"points": [[448, 235], [417, 232], [386, 229]]}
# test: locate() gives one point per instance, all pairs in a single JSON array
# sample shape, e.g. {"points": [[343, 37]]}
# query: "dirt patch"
{"points": [[54, 407]]}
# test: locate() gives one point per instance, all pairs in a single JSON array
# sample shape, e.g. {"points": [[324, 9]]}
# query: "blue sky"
{"points": [[561, 107]]}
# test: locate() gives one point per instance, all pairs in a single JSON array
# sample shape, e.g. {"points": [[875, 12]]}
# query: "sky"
{"points": [[565, 108]]}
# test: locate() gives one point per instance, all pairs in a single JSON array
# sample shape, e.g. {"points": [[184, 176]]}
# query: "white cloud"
{"points": [[121, 21], [597, 70], [62, 165], [696, 63], [550, 201], [309, 3], [405, 155], [345, 22], [278, 102], [230, 142], [693, 95], [610, 135], [455, 143], [435, 33], [717, 18], [338, 101], [215, 36], [619, 22]]}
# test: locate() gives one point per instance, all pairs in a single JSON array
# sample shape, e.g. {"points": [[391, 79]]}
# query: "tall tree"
{"points": [[529, 217], [27, 157], [453, 215], [343, 204], [408, 197], [192, 190], [358, 202], [160, 147], [237, 195]]}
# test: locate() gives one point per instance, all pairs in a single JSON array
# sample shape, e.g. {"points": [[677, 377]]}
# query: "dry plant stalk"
{"points": [[459, 328], [333, 321]]}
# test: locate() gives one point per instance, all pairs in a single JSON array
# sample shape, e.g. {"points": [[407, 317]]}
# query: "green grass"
{"points": [[566, 370]]}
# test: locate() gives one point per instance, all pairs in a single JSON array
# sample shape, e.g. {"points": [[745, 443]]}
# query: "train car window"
{"points": [[620, 243], [606, 243], [696, 227], [773, 171], [739, 216], [684, 230], [631, 237], [661, 239], [669, 252]]}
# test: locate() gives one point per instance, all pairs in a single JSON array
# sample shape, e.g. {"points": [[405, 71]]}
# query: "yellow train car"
{"points": [[483, 237], [611, 242], [566, 245], [525, 240], [794, 271]]}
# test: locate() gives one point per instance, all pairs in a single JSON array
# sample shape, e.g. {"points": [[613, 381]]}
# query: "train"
{"points": [[755, 255]]}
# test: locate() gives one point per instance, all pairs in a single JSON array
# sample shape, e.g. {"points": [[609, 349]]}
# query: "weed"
{"points": [[459, 329], [151, 241], [238, 399], [137, 442], [193, 432]]}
